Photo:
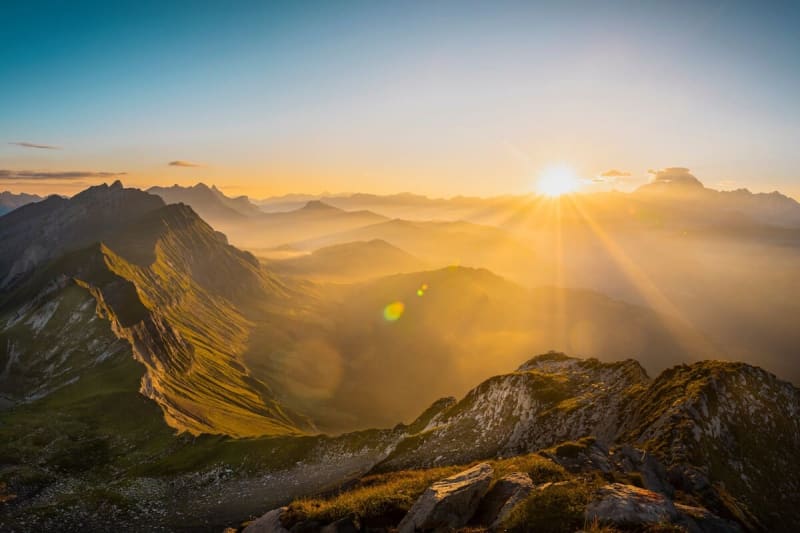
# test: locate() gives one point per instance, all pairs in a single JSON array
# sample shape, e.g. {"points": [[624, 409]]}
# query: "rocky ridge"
{"points": [[705, 447]]}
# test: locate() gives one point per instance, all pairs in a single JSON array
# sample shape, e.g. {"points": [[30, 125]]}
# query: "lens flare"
{"points": [[393, 311]]}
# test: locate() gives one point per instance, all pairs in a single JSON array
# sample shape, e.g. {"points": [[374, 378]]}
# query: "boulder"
{"points": [[628, 505], [502, 497], [449, 503], [268, 523]]}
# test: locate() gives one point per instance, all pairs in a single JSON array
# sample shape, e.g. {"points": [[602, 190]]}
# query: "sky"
{"points": [[440, 98]]}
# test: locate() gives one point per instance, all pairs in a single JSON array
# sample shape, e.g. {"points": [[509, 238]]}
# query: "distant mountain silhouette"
{"points": [[209, 202], [10, 201]]}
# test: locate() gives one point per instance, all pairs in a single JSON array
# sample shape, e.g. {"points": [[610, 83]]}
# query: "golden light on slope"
{"points": [[556, 181]]}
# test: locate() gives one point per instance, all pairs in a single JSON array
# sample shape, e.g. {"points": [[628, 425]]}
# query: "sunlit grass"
{"points": [[393, 493]]}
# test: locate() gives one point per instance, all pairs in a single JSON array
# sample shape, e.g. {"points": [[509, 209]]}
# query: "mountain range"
{"points": [[153, 375]]}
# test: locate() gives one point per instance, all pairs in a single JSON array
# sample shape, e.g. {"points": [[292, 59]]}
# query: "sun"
{"points": [[556, 181]]}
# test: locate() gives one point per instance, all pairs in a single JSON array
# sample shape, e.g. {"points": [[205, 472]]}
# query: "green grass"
{"points": [[375, 498], [555, 509]]}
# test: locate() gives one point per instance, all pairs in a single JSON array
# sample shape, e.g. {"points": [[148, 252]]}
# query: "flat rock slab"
{"points": [[449, 503]]}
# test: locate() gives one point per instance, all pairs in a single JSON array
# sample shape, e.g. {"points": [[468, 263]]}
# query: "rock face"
{"points": [[628, 505], [449, 503], [550, 399], [727, 432]]}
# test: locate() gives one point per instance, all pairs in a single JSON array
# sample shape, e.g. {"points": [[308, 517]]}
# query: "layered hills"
{"points": [[350, 261]]}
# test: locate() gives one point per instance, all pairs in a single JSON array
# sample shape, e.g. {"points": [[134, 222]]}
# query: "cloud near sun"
{"points": [[180, 163], [614, 173]]}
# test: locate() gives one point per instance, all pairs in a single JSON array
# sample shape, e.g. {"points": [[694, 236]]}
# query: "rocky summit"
{"points": [[571, 442]]}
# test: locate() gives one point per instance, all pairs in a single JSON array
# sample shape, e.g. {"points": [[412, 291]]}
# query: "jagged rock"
{"points": [[268, 523], [502, 497], [449, 503], [628, 505]]}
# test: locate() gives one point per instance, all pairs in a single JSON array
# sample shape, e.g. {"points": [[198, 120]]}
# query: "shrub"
{"points": [[539, 468], [554, 509]]}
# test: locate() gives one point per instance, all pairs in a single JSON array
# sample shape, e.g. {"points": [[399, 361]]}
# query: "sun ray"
{"points": [[646, 288]]}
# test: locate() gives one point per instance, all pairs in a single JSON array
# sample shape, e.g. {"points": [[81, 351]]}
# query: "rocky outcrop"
{"points": [[449, 503], [550, 399]]}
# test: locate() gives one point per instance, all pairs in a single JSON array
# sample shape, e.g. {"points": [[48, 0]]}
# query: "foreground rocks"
{"points": [[449, 503], [477, 500]]}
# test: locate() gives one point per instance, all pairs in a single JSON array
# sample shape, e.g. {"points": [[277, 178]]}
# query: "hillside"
{"points": [[153, 277]]}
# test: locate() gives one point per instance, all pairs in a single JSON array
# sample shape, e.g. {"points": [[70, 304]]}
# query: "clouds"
{"points": [[35, 175], [677, 175], [614, 173], [179, 163], [35, 145], [613, 176]]}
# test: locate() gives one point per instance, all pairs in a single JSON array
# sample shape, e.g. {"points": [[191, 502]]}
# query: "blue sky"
{"points": [[435, 97]]}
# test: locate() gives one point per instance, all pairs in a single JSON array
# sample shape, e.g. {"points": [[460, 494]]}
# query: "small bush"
{"points": [[554, 509], [572, 449], [540, 469]]}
